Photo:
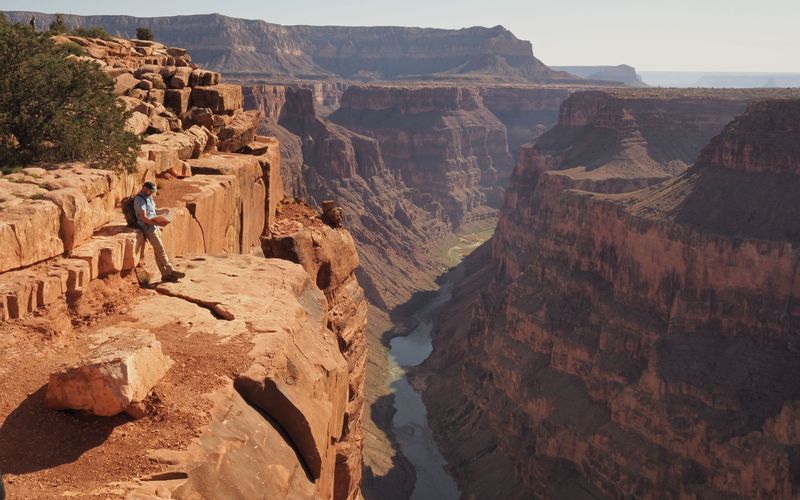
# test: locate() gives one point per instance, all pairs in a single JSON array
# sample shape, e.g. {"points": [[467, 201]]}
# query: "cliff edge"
{"points": [[243, 379]]}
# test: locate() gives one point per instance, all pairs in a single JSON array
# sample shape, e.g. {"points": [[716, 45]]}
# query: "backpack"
{"points": [[129, 211]]}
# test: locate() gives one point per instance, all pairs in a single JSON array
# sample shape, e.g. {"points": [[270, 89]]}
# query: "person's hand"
{"points": [[161, 221]]}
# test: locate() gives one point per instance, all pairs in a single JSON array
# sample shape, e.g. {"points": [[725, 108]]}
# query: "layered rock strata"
{"points": [[329, 256], [621, 140], [638, 345], [252, 47], [393, 224], [282, 370], [443, 141]]}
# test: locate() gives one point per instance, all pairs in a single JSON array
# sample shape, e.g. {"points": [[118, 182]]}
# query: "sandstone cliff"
{"points": [[253, 47], [242, 350], [637, 345], [393, 225], [620, 140], [442, 141], [526, 111]]}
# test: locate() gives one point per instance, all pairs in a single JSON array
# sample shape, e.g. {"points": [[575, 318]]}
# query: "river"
{"points": [[410, 422]]}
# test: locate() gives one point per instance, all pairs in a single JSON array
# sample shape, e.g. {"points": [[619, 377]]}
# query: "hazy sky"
{"points": [[699, 35]]}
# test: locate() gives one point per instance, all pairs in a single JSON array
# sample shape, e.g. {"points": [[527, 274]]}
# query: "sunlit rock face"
{"points": [[637, 344], [255, 47]]}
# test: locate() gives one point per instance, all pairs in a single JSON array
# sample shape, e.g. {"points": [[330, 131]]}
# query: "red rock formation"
{"points": [[616, 141], [329, 255], [392, 224], [256, 47], [635, 345], [442, 140], [295, 355], [527, 112]]}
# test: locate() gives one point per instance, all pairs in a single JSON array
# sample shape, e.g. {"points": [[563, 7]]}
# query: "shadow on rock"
{"points": [[398, 482], [33, 438]]}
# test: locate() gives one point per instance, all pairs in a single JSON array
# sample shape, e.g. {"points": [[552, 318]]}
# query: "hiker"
{"points": [[33, 22], [149, 220]]}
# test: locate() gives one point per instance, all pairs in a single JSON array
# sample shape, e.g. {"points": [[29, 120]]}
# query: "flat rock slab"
{"points": [[298, 376], [120, 371], [239, 455]]}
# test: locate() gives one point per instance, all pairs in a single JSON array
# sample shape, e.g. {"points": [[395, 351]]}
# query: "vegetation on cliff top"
{"points": [[144, 34], [56, 108]]}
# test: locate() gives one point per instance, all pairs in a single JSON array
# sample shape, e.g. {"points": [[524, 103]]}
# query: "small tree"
{"points": [[143, 33], [54, 108]]}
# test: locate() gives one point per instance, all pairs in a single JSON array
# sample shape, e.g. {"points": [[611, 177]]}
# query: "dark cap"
{"points": [[151, 186]]}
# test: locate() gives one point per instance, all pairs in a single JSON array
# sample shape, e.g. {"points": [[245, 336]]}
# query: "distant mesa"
{"points": [[258, 48], [621, 73]]}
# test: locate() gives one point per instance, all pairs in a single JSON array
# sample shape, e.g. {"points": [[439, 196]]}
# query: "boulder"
{"points": [[177, 99], [240, 131], [156, 96], [138, 123], [146, 69], [202, 116], [182, 144], [145, 85], [164, 159], [255, 148], [113, 73], [124, 82], [29, 233], [201, 77], [166, 72], [180, 78], [219, 98], [122, 370], [137, 93], [201, 137], [159, 125], [176, 51]]}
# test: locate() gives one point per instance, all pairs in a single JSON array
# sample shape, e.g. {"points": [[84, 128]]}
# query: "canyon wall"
{"points": [[249, 350], [620, 140], [526, 111], [255, 47], [393, 224], [632, 345], [442, 141]]}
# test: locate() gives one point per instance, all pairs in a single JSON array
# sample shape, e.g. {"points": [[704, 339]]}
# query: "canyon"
{"points": [[627, 331], [635, 342]]}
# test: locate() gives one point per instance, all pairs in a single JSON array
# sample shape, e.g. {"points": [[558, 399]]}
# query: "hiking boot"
{"points": [[170, 278], [179, 274]]}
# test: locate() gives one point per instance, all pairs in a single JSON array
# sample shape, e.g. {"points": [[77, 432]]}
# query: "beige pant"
{"points": [[162, 261]]}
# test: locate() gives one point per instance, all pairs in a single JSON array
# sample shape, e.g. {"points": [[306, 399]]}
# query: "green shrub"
{"points": [[143, 33], [58, 27], [72, 48], [95, 32], [10, 169], [55, 109]]}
